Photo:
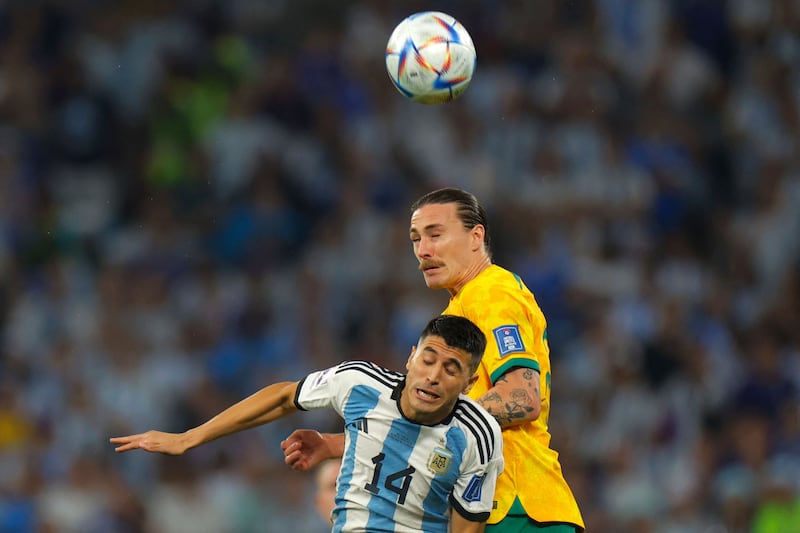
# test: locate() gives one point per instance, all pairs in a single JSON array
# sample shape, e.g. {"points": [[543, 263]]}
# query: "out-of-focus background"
{"points": [[198, 198]]}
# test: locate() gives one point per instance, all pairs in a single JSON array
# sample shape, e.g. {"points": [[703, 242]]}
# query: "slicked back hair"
{"points": [[469, 210]]}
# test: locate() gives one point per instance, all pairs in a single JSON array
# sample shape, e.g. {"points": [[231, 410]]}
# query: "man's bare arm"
{"points": [[270, 403], [514, 399]]}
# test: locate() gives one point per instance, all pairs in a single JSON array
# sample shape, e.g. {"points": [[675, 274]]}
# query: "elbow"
{"points": [[534, 411], [523, 414], [530, 412], [288, 394]]}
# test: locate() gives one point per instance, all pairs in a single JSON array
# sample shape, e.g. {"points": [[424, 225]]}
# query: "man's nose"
{"points": [[423, 248], [434, 374]]}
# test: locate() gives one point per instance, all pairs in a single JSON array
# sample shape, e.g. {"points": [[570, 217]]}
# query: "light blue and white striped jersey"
{"points": [[398, 475]]}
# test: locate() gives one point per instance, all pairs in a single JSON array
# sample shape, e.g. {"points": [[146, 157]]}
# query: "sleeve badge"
{"points": [[508, 340]]}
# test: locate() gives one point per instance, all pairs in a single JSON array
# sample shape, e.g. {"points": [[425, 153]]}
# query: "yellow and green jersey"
{"points": [[516, 333]]}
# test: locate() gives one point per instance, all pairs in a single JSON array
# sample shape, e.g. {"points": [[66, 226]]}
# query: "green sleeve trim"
{"points": [[512, 363]]}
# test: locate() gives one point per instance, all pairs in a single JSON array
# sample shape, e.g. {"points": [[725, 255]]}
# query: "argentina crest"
{"points": [[439, 461]]}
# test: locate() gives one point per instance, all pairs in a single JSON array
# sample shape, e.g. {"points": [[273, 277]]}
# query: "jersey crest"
{"points": [[439, 462]]}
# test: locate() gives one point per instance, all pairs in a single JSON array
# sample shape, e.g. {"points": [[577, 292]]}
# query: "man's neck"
{"points": [[469, 274]]}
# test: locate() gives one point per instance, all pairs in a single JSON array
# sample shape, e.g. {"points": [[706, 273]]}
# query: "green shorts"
{"points": [[522, 524], [517, 521]]}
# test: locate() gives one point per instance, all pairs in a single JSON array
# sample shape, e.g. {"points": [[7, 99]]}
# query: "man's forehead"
{"points": [[437, 344], [432, 214]]}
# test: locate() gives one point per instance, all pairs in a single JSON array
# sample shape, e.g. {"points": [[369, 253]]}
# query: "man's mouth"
{"points": [[427, 395], [427, 267]]}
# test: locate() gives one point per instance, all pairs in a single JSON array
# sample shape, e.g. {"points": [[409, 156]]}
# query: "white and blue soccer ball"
{"points": [[430, 58]]}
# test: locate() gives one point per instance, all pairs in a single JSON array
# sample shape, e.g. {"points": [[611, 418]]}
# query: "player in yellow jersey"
{"points": [[449, 232]]}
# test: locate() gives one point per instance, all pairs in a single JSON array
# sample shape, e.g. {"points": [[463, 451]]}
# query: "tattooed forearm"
{"points": [[514, 401], [517, 407]]}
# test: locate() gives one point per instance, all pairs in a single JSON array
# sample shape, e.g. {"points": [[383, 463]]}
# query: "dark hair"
{"points": [[469, 210], [458, 332]]}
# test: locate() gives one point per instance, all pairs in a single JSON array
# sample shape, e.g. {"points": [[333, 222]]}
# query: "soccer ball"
{"points": [[430, 58]]}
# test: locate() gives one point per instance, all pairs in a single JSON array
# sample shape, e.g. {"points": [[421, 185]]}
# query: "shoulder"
{"points": [[479, 426], [495, 281], [365, 371], [508, 295], [349, 381]]}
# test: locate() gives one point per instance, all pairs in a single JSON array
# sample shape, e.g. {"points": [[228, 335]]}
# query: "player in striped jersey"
{"points": [[419, 455]]}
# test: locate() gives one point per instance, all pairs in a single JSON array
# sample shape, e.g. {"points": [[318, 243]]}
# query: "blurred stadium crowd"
{"points": [[198, 198]]}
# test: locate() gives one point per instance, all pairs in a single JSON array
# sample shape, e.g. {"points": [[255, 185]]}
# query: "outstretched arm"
{"points": [[268, 404], [514, 399]]}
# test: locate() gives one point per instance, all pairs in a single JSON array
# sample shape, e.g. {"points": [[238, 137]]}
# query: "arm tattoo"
{"points": [[491, 397], [517, 406], [514, 404]]}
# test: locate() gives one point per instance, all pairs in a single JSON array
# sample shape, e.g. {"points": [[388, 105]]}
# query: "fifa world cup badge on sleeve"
{"points": [[474, 489], [321, 378], [508, 340]]}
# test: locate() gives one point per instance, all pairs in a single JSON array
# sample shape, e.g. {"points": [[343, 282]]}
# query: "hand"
{"points": [[152, 441], [305, 448]]}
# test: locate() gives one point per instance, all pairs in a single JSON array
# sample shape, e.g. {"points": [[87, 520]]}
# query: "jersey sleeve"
{"points": [[473, 494], [515, 329], [322, 389]]}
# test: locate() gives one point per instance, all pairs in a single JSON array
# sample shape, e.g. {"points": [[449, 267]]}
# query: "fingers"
{"points": [[127, 447], [127, 438], [151, 441], [291, 447], [293, 443], [293, 455], [292, 459], [131, 442], [298, 463], [296, 436], [290, 442]]}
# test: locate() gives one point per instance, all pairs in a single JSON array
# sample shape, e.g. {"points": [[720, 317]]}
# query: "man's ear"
{"points": [[478, 237], [471, 382], [411, 356]]}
